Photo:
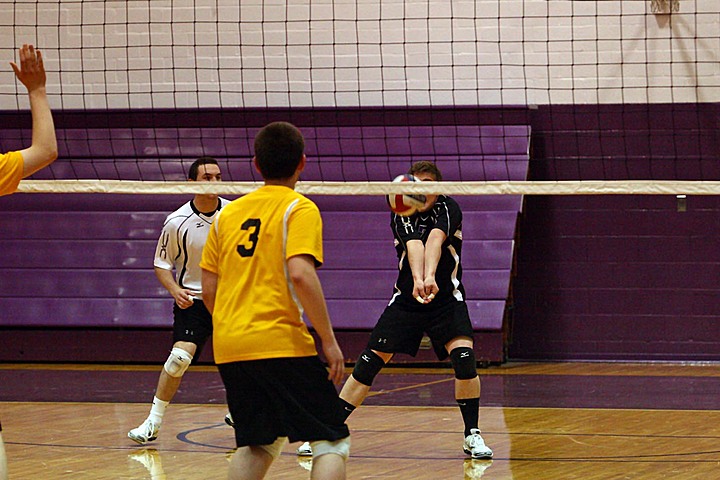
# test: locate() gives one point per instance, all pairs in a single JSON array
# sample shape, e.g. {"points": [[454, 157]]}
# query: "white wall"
{"points": [[209, 53]]}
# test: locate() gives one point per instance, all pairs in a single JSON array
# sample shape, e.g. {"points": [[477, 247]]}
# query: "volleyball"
{"points": [[405, 205]]}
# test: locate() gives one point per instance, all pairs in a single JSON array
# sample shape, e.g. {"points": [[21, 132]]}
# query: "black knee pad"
{"points": [[368, 365], [463, 362]]}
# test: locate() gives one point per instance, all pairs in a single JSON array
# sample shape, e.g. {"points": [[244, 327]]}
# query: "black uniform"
{"points": [[405, 320]]}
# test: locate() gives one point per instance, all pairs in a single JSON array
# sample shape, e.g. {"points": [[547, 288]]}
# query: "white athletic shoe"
{"points": [[304, 450], [474, 469], [475, 445], [146, 432], [229, 420]]}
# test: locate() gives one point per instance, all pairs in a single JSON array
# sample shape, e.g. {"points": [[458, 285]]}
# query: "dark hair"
{"points": [[193, 173], [279, 147], [426, 167]]}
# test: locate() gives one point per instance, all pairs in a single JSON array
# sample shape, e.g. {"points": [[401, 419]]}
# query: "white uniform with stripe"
{"points": [[181, 244]]}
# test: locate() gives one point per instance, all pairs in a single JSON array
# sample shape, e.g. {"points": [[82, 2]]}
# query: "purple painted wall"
{"points": [[74, 263], [620, 277], [609, 277]]}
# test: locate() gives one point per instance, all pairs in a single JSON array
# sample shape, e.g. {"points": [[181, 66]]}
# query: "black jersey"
{"points": [[446, 216]]}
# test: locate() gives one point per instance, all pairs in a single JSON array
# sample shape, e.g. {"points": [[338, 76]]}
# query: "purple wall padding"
{"points": [[620, 277], [347, 145], [85, 261], [611, 277]]}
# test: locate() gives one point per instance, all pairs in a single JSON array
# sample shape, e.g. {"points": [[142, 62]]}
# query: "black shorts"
{"points": [[282, 397], [192, 324], [400, 329]]}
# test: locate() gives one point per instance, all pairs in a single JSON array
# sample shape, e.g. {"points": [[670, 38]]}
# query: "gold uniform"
{"points": [[248, 247], [11, 170]]}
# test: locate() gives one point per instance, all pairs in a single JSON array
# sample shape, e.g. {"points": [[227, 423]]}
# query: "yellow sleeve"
{"points": [[11, 170], [305, 232]]}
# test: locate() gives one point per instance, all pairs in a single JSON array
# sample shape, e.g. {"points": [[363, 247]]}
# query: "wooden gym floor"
{"points": [[543, 420]]}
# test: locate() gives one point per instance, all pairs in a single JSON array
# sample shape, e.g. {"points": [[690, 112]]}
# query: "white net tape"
{"points": [[588, 187]]}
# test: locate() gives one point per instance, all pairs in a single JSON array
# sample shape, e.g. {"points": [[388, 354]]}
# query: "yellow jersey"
{"points": [[11, 170], [257, 314]]}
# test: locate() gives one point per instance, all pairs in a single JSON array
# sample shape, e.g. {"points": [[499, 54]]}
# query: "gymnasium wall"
{"points": [[621, 277], [597, 277], [74, 264]]}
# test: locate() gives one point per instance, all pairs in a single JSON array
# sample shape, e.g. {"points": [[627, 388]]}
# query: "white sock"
{"points": [[158, 410]]}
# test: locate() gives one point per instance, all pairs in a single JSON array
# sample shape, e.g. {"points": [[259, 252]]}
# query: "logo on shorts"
{"points": [[382, 340]]}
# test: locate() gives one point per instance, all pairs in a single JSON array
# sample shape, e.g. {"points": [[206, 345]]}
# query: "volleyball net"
{"points": [[506, 96]]}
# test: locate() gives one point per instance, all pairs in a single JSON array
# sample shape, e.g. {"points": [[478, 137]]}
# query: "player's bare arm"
{"points": [[416, 259], [183, 297], [31, 73], [301, 269], [433, 250], [209, 283]]}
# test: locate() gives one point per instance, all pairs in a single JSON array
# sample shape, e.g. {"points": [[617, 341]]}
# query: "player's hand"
{"points": [[183, 298], [431, 289], [31, 72], [419, 291], [335, 360]]}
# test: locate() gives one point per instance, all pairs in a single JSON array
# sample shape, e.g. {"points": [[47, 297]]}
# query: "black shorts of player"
{"points": [[282, 397], [400, 329], [192, 324]]}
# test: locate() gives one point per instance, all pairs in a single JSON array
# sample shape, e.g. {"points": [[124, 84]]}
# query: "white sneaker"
{"points": [[304, 450], [475, 445], [229, 420], [146, 432]]}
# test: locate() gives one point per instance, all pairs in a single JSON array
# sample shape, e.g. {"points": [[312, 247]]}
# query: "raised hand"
{"points": [[31, 72]]}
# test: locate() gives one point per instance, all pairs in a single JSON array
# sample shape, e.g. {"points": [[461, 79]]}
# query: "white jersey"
{"points": [[181, 244]]}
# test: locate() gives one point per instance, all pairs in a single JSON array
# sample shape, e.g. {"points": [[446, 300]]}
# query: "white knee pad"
{"points": [[178, 361], [338, 447], [275, 448]]}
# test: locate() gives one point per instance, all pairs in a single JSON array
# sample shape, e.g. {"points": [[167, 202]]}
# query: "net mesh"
{"points": [[497, 92]]}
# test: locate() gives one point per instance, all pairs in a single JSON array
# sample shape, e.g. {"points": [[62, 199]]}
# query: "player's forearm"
{"points": [[44, 149], [309, 291], [416, 258], [433, 250], [312, 299], [209, 282], [167, 280]]}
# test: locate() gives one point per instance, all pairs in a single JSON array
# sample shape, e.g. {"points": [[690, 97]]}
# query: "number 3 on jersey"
{"points": [[253, 227]]}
